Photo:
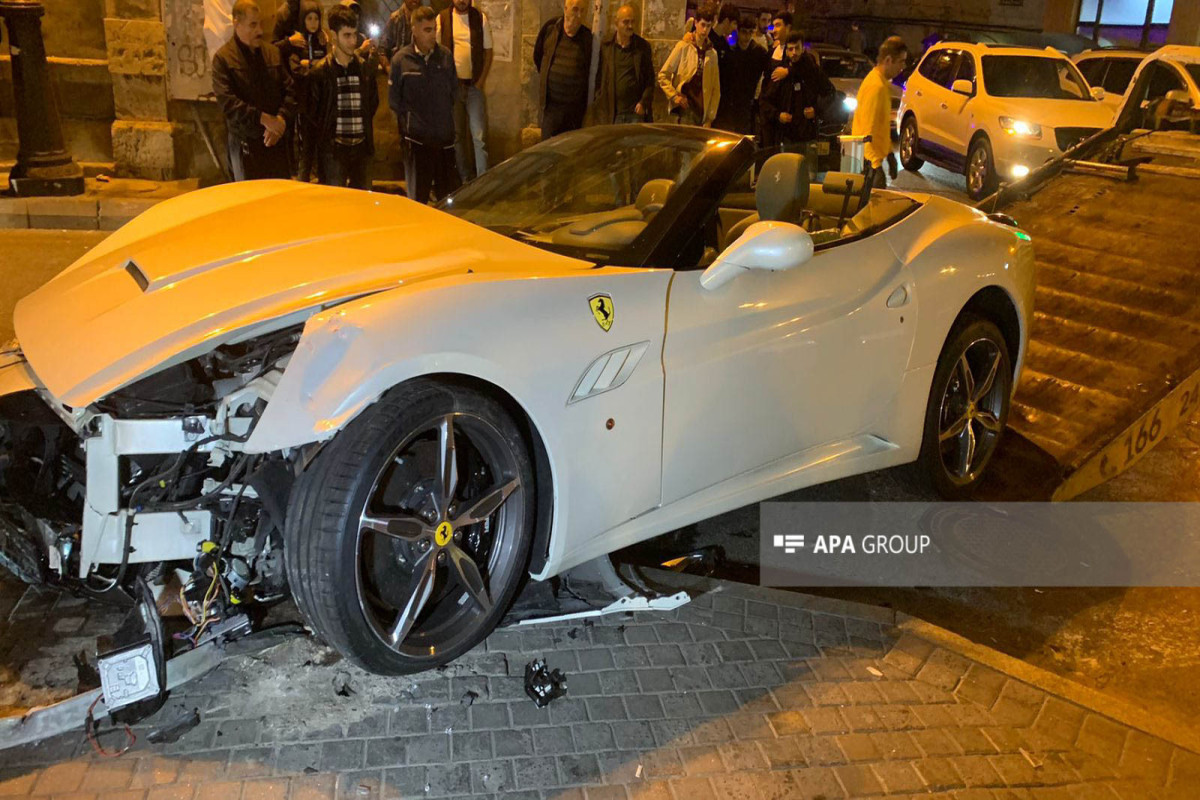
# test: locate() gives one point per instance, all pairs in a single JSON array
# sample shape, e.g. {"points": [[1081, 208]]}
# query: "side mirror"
{"points": [[963, 86], [771, 246], [1097, 92]]}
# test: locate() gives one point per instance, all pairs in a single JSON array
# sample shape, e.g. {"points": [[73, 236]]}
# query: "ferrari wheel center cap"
{"points": [[443, 534]]}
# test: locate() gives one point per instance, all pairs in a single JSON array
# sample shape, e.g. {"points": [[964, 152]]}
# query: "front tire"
{"points": [[909, 145], [409, 534], [968, 407], [981, 170]]}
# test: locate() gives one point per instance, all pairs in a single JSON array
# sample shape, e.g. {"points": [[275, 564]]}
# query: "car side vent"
{"points": [[138, 276], [608, 371]]}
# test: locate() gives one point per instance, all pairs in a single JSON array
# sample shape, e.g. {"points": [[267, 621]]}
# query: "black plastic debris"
{"points": [[176, 728], [542, 684]]}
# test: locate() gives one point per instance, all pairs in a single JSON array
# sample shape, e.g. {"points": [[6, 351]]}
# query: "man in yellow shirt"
{"points": [[873, 116]]}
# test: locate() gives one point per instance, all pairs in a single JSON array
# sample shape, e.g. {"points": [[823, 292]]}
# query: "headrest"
{"points": [[843, 183], [654, 194], [782, 191]]}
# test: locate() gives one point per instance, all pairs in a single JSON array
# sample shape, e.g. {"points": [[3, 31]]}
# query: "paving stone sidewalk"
{"points": [[744, 693]]}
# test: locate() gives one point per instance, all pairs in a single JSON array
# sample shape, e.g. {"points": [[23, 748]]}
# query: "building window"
{"points": [[1125, 23]]}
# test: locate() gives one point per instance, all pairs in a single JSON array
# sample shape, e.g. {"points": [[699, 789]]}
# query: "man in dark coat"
{"points": [[255, 93], [789, 106], [423, 93], [740, 77], [562, 55], [625, 81], [343, 95]]}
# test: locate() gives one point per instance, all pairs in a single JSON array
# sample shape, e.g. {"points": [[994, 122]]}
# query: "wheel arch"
{"points": [[975, 137], [996, 305]]}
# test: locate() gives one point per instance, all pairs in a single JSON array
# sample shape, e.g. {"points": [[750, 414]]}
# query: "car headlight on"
{"points": [[1021, 128], [850, 103]]}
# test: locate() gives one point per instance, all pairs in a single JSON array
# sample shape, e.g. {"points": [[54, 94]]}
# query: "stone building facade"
{"points": [[128, 74]]}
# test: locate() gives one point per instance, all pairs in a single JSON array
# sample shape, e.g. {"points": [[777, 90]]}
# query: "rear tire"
{"points": [[909, 145], [967, 409], [408, 535]]}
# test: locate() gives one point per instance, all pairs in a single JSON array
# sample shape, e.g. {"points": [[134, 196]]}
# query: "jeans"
{"points": [[558, 119], [429, 167], [470, 138], [345, 166]]}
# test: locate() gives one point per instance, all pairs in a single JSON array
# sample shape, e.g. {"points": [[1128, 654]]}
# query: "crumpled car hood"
{"points": [[192, 272]]}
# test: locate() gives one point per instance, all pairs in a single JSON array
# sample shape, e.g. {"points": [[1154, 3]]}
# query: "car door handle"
{"points": [[898, 297]]}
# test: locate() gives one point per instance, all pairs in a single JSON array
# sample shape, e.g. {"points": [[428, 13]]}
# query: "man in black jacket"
{"points": [[625, 81], [562, 55], [343, 94], [255, 94], [423, 93], [790, 106], [740, 76]]}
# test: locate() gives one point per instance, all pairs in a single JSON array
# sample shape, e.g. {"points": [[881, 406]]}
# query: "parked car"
{"points": [[995, 112], [405, 410], [1111, 70], [846, 70]]}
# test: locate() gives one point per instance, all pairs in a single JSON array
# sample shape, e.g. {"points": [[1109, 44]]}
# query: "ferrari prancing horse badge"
{"points": [[603, 310]]}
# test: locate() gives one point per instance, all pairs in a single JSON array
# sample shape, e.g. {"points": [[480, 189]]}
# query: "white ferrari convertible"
{"points": [[395, 412]]}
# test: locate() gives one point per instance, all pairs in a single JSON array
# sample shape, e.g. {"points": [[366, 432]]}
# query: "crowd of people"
{"points": [[305, 104]]}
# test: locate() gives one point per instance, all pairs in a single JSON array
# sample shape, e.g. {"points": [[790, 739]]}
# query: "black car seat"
{"points": [[780, 196]]}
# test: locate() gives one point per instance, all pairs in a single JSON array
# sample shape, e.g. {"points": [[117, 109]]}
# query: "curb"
{"points": [[87, 213], [1114, 708]]}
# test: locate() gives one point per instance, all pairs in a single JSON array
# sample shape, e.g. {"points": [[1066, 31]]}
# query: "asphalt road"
{"points": [[934, 180], [1140, 644]]}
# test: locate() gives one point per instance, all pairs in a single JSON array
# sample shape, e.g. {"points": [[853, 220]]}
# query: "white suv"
{"points": [[995, 112]]}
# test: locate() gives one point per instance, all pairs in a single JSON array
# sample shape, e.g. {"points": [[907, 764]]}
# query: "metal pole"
{"points": [[44, 167], [1096, 24], [1146, 26]]}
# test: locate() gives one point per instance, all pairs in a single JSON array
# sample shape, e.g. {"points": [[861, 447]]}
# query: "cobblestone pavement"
{"points": [[744, 693]]}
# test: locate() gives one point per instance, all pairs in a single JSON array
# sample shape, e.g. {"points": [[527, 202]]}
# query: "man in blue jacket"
{"points": [[423, 92]]}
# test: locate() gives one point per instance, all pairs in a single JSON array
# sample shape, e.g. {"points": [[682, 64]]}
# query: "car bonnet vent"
{"points": [[138, 276]]}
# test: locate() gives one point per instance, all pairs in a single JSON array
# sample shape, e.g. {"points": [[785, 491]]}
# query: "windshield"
{"points": [[844, 65], [597, 188], [1033, 76]]}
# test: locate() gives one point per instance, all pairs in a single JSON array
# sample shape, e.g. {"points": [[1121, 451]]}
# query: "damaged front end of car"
{"points": [[151, 485]]}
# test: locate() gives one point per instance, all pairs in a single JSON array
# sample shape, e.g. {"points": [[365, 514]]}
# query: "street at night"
{"points": [[562, 401]]}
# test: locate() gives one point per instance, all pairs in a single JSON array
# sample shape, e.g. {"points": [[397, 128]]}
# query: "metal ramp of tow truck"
{"points": [[1113, 362]]}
